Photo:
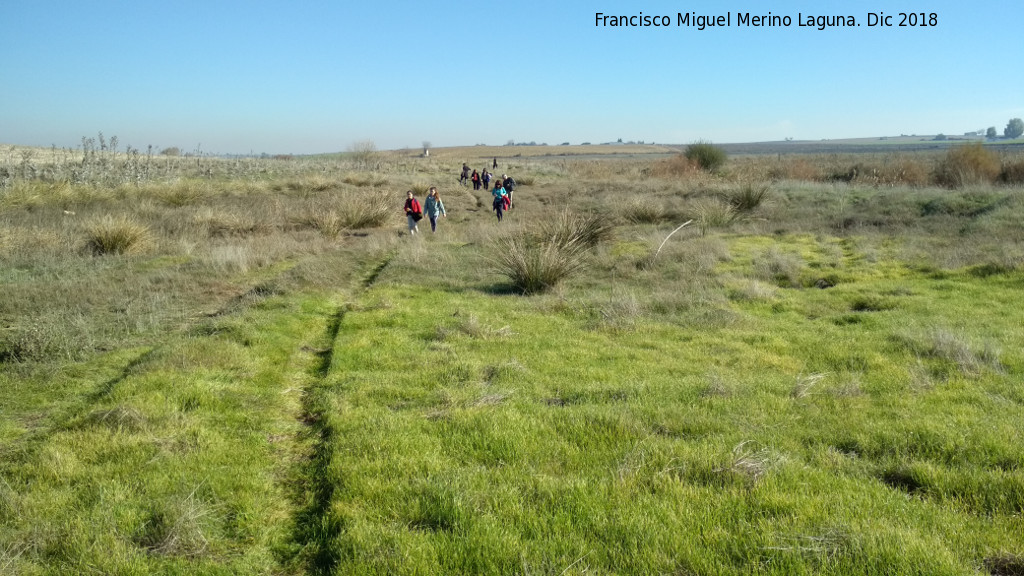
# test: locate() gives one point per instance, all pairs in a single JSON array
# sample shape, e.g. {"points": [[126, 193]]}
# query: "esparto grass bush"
{"points": [[747, 197], [115, 235], [708, 156], [1012, 173], [644, 211], [568, 228], [370, 209], [713, 213], [324, 220], [534, 265], [966, 165]]}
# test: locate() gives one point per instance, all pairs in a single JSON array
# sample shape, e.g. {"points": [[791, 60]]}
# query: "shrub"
{"points": [[708, 156], [110, 235], [1013, 172], [713, 213], [535, 265], [644, 211], [367, 210], [569, 228], [967, 164], [747, 197], [324, 220]]}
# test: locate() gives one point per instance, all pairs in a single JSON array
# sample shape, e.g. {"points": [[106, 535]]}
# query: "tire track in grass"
{"points": [[316, 525]]}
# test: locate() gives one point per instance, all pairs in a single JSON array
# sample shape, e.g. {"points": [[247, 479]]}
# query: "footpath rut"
{"points": [[316, 527]]}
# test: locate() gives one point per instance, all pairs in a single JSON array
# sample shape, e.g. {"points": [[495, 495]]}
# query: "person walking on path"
{"points": [[413, 212], [499, 200], [465, 174], [495, 167], [475, 178], [510, 187], [434, 208], [486, 179]]}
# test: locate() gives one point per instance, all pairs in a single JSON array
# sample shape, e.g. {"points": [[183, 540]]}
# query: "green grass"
{"points": [[552, 442], [827, 382]]}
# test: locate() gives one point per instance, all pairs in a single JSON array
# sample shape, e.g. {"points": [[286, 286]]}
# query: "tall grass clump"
{"points": [[569, 228], [968, 164], [367, 210], [708, 156], [1013, 172], [534, 264], [713, 213], [678, 165], [115, 235], [747, 197], [644, 211]]}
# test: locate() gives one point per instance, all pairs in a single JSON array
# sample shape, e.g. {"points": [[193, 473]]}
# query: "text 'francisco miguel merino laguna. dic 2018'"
{"points": [[769, 20]]}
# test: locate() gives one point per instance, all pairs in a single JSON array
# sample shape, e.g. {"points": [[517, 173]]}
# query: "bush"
{"points": [[708, 156], [537, 265], [1013, 172], [968, 164], [713, 213], [367, 210], [747, 197], [568, 228], [644, 211], [110, 235]]}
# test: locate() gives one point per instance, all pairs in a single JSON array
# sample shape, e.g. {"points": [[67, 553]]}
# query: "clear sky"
{"points": [[304, 76]]}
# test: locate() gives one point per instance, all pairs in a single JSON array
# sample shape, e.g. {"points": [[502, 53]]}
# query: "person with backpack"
{"points": [[500, 196], [465, 174], [413, 212], [510, 187], [434, 208], [486, 179]]}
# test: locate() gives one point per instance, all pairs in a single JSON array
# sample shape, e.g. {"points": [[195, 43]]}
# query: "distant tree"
{"points": [[1014, 128], [172, 151], [940, 137], [991, 133], [363, 152]]}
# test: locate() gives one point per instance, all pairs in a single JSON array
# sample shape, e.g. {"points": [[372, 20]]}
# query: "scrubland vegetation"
{"points": [[244, 366]]}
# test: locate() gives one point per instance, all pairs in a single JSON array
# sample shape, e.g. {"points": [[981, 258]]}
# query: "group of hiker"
{"points": [[433, 207]]}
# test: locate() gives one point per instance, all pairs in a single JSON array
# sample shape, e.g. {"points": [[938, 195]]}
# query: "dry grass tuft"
{"points": [[115, 235], [536, 266]]}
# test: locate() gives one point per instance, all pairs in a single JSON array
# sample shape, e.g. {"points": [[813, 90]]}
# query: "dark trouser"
{"points": [[499, 207], [433, 222]]}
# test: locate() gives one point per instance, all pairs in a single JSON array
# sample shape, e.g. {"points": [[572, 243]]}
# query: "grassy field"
{"points": [[246, 366]]}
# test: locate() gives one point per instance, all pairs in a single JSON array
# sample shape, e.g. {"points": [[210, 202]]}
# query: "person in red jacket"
{"points": [[413, 212]]}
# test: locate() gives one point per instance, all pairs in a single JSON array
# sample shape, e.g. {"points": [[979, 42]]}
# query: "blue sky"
{"points": [[316, 76]]}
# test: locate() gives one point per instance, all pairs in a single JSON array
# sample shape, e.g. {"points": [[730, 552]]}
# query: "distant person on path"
{"points": [[486, 179], [413, 212], [495, 167], [465, 174], [510, 187], [476, 180], [434, 208], [499, 200]]}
